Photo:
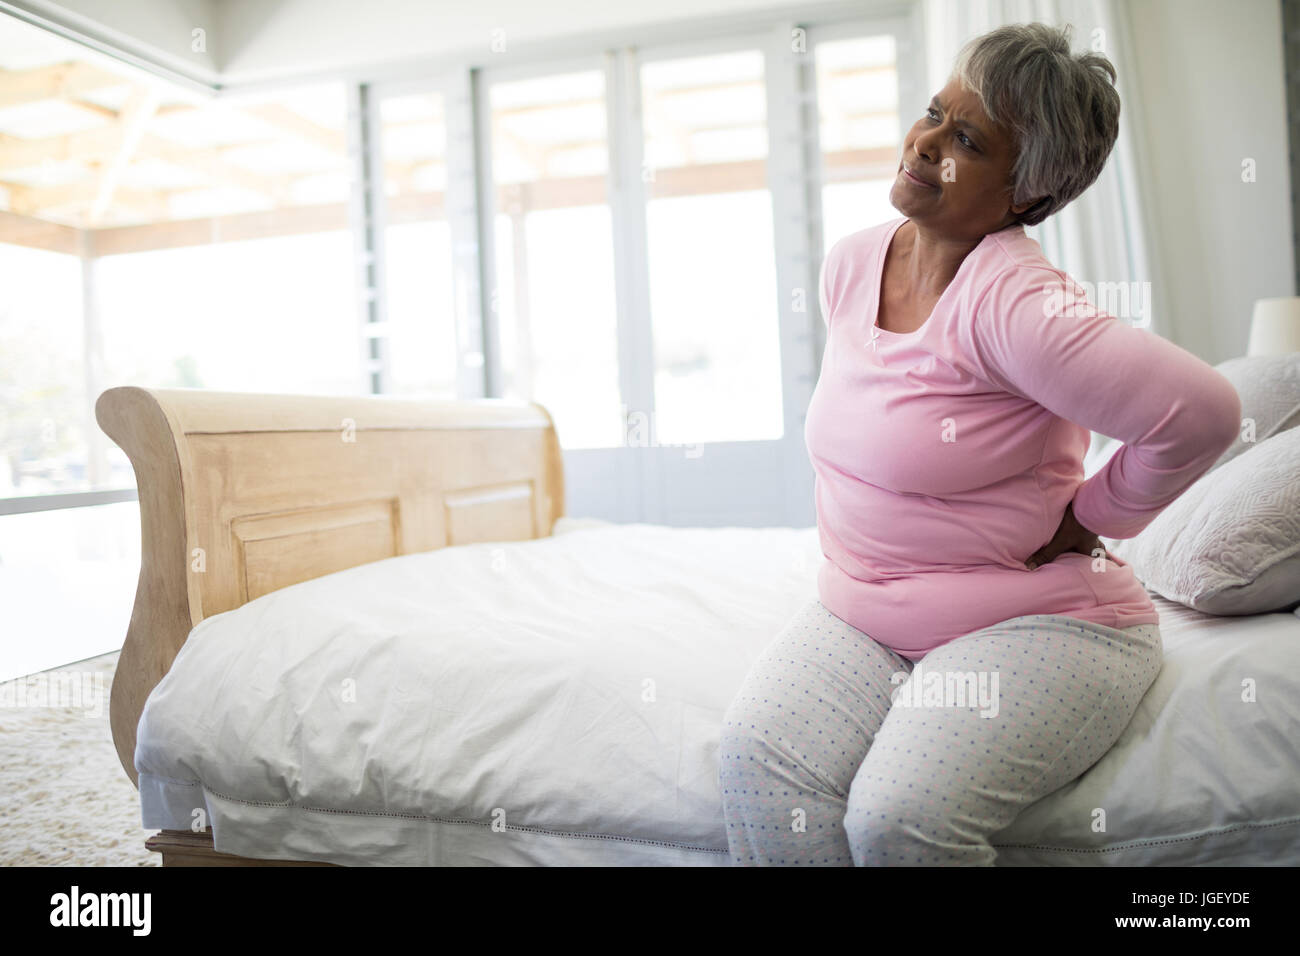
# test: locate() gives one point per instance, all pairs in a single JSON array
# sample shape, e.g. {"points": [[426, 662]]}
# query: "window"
{"points": [[713, 297], [259, 315], [149, 236], [43, 407], [204, 244], [861, 139], [418, 276], [67, 584], [555, 298]]}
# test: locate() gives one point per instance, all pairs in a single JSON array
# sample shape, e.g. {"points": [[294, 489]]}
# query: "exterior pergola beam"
{"points": [[710, 179], [130, 126], [60, 80]]}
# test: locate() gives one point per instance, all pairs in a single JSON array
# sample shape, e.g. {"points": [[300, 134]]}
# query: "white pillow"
{"points": [[1231, 543], [1269, 387]]}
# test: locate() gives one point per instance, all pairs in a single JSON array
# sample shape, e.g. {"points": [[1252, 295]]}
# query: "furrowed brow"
{"points": [[934, 101]]}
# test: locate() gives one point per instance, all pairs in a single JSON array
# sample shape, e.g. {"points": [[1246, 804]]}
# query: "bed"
{"points": [[365, 633]]}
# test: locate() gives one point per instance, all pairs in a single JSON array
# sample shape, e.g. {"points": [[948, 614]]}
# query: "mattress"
{"points": [[560, 701]]}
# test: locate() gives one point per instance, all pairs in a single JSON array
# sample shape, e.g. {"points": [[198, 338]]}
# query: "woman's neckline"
{"points": [[880, 286]]}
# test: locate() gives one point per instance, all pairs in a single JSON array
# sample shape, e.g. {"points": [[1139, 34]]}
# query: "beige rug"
{"points": [[64, 797]]}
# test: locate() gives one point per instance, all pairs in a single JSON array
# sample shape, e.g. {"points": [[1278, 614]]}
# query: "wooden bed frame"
{"points": [[242, 494]]}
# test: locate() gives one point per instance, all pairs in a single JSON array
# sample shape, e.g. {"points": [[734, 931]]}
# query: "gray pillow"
{"points": [[1269, 386], [1230, 544]]}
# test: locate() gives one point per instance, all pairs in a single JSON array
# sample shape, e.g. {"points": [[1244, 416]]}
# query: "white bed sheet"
{"points": [[559, 701]]}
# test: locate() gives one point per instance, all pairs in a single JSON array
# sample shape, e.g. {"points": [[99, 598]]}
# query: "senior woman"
{"points": [[973, 646]]}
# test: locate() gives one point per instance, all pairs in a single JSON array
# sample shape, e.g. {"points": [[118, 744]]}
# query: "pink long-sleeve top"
{"points": [[944, 457]]}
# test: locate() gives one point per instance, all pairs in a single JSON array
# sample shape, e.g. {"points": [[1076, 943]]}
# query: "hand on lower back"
{"points": [[1070, 536]]}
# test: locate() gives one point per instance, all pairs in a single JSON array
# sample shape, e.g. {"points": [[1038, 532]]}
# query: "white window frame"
{"points": [[461, 204], [907, 29], [484, 80]]}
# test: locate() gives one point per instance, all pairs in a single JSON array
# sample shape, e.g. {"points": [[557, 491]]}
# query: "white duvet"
{"points": [[559, 701]]}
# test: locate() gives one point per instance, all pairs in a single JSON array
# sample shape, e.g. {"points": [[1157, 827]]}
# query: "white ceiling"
{"points": [[251, 42]]}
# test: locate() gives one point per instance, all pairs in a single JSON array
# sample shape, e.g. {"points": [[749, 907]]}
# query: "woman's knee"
{"points": [[889, 825], [772, 741], [742, 731], [750, 742]]}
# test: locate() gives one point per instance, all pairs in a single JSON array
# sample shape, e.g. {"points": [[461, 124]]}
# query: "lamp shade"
{"points": [[1275, 327]]}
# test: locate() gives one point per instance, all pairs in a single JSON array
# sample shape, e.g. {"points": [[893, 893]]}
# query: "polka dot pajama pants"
{"points": [[837, 751]]}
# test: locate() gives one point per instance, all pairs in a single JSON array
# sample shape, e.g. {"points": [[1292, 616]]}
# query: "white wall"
{"points": [[1210, 74]]}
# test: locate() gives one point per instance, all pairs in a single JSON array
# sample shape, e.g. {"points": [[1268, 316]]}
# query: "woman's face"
{"points": [[967, 159]]}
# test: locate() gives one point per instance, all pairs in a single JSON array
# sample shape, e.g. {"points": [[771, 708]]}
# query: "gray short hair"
{"points": [[1062, 109]]}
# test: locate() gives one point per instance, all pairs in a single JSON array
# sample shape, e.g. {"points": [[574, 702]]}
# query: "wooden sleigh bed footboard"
{"points": [[242, 494]]}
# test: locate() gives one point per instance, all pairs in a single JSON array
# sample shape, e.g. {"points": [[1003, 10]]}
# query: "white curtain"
{"points": [[1102, 236]]}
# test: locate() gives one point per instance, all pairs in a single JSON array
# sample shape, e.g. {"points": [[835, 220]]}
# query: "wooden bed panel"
{"points": [[184, 848], [274, 550], [276, 508], [242, 494]]}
